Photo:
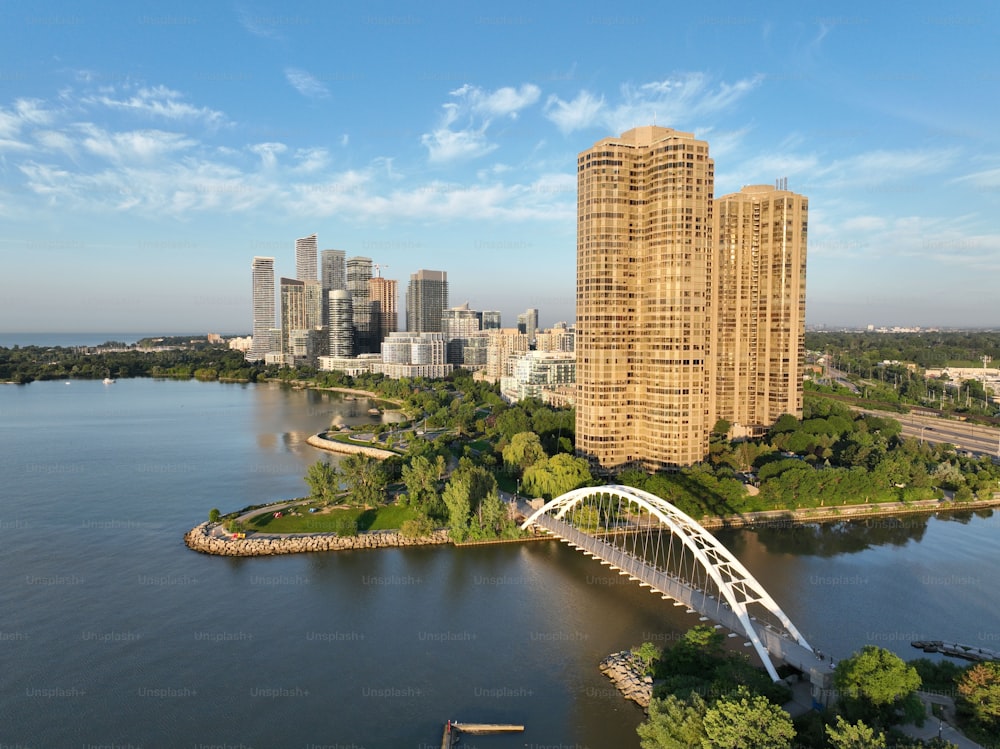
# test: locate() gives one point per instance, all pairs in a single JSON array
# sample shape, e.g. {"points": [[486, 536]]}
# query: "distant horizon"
{"points": [[135, 336]]}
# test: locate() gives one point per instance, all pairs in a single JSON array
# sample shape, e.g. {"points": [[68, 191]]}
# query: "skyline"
{"points": [[447, 137]]}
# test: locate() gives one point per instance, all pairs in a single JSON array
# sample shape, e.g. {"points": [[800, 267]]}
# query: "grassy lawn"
{"points": [[382, 518]]}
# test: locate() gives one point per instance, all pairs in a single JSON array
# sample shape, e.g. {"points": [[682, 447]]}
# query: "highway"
{"points": [[975, 438]]}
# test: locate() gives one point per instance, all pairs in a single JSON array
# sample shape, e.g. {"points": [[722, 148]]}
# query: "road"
{"points": [[975, 438]]}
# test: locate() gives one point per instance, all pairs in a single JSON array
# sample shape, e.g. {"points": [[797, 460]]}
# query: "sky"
{"points": [[148, 151]]}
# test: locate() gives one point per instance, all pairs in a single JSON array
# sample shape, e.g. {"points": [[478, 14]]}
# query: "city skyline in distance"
{"points": [[138, 184]]}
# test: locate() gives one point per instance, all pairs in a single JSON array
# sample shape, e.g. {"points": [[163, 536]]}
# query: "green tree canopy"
{"points": [[979, 692], [876, 686], [844, 735], [420, 479], [365, 479], [557, 475], [323, 480], [673, 723], [524, 450], [468, 486], [747, 721]]}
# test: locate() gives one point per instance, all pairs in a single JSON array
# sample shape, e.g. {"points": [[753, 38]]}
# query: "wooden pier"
{"points": [[452, 730]]}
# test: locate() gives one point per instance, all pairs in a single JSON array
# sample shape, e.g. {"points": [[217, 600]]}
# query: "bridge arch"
{"points": [[735, 584]]}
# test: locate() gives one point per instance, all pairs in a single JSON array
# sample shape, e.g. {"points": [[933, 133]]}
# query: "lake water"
{"points": [[113, 633]]}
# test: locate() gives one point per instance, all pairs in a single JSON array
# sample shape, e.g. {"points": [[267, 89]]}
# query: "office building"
{"points": [[560, 337], [262, 270], [458, 325], [759, 305], [340, 327], [490, 319], [305, 259], [333, 269], [359, 272], [643, 314], [383, 293], [426, 299], [314, 304], [501, 345], [476, 350], [332, 275], [293, 313], [406, 354], [527, 323], [549, 376]]}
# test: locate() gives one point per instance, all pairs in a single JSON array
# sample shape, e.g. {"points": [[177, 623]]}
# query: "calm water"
{"points": [[112, 632]]}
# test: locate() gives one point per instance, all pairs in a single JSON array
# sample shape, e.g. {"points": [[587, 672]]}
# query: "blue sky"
{"points": [[149, 151]]}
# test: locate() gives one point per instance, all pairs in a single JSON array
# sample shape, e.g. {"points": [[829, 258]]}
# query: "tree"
{"points": [[365, 479], [876, 686], [979, 690], [673, 723], [524, 450], [468, 486], [213, 515], [420, 478], [747, 720], [323, 480], [645, 654], [721, 428], [557, 475], [419, 527], [846, 735]]}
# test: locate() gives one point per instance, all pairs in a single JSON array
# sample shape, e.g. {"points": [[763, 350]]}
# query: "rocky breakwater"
{"points": [[203, 538], [628, 677]]}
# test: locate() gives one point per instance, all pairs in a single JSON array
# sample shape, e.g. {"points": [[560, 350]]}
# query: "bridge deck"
{"points": [[778, 644]]}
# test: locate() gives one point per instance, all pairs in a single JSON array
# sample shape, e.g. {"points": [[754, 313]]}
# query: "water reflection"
{"points": [[832, 539]]}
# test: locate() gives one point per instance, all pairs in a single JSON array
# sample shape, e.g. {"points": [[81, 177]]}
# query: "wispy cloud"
{"points": [[156, 102], [445, 145], [676, 101], [306, 84], [577, 114], [127, 146], [74, 158], [462, 132]]}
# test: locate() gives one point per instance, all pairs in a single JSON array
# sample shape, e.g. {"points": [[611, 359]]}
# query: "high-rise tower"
{"points": [[426, 299], [293, 313], [306, 259], [341, 316], [262, 270], [382, 292], [643, 312], [760, 306], [359, 272]]}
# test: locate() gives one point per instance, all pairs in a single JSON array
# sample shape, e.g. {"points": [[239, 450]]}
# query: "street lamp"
{"points": [[925, 426]]}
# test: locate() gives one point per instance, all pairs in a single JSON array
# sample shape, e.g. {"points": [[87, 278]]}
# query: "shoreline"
{"points": [[805, 515], [347, 448], [208, 538], [202, 538]]}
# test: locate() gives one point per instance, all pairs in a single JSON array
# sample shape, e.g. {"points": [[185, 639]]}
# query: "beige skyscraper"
{"points": [[383, 293], [760, 306], [643, 315]]}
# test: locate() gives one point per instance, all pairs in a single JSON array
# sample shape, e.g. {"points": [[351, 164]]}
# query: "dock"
{"points": [[453, 729]]}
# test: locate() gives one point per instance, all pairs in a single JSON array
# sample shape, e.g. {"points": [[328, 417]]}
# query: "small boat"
{"points": [[108, 381], [374, 411]]}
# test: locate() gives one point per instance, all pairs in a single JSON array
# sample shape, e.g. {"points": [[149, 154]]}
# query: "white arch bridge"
{"points": [[648, 539]]}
